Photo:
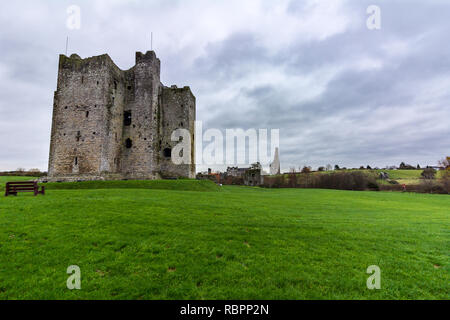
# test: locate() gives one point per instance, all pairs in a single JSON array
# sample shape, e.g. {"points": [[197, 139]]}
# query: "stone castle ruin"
{"points": [[110, 124]]}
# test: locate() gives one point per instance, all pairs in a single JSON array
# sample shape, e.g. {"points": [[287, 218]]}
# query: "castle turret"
{"points": [[140, 130], [177, 111]]}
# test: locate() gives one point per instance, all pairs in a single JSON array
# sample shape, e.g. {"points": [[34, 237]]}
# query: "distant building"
{"points": [[236, 172], [253, 177], [216, 177]]}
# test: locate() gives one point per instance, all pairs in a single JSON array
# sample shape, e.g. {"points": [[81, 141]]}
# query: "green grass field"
{"points": [[4, 179], [231, 243], [183, 184]]}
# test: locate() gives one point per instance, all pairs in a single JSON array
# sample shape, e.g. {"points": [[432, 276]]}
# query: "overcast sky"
{"points": [[339, 92]]}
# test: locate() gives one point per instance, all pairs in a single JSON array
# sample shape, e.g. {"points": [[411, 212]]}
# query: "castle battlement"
{"points": [[148, 56], [110, 123]]}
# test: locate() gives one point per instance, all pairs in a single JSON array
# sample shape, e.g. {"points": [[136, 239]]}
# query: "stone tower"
{"points": [[275, 165], [115, 124]]}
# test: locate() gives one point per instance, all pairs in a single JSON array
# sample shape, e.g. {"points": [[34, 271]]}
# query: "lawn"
{"points": [[182, 184], [232, 243], [4, 179]]}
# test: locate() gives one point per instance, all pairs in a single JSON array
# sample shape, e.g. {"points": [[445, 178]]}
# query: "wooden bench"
{"points": [[12, 188]]}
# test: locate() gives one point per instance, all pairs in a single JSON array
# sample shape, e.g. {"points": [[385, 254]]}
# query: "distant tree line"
{"points": [[21, 172], [344, 180], [363, 179]]}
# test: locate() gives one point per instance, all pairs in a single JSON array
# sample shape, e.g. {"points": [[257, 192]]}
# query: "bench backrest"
{"points": [[22, 185]]}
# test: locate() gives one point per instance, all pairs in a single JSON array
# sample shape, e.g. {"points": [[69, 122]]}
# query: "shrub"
{"points": [[430, 186], [428, 173], [273, 181], [353, 180], [292, 180], [373, 186], [439, 188], [445, 180]]}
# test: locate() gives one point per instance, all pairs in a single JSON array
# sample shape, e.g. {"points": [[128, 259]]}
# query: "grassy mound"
{"points": [[180, 185]]}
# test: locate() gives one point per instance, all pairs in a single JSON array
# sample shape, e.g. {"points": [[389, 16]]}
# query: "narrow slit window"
{"points": [[127, 118], [128, 143], [167, 152]]}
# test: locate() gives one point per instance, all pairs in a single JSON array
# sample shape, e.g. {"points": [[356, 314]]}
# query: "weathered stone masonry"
{"points": [[114, 124]]}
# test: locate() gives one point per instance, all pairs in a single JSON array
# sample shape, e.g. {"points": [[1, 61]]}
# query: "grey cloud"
{"points": [[378, 115]]}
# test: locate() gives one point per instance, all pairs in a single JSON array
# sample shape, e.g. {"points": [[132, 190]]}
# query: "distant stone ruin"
{"points": [[275, 165]]}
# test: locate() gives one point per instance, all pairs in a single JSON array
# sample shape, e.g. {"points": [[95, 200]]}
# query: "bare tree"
{"points": [[445, 163], [428, 173]]}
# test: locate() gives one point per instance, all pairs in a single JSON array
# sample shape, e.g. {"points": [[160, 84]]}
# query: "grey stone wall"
{"points": [[91, 139], [177, 111]]}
